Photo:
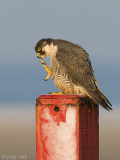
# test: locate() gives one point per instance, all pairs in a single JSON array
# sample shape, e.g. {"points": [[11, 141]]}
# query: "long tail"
{"points": [[106, 100], [105, 103], [99, 98]]}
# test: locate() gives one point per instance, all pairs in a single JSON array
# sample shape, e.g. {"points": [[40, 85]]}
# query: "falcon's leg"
{"points": [[46, 68]]}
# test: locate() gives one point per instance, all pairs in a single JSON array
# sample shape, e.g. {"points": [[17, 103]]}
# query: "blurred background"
{"points": [[95, 25]]}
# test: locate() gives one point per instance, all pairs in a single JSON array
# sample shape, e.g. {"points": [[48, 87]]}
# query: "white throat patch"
{"points": [[50, 50]]}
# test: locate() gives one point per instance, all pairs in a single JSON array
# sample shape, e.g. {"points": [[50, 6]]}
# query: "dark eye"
{"points": [[42, 53]]}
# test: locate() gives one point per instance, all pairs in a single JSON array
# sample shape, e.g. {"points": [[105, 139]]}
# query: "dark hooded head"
{"points": [[41, 44]]}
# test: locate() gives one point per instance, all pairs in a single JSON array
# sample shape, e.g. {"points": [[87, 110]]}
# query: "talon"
{"points": [[45, 79]]}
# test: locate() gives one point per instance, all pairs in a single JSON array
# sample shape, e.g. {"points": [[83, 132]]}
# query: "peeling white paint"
{"points": [[60, 140]]}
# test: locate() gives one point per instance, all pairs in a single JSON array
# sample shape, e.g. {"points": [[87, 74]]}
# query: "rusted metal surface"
{"points": [[89, 133], [67, 128]]}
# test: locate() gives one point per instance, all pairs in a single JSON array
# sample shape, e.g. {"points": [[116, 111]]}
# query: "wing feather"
{"points": [[76, 64]]}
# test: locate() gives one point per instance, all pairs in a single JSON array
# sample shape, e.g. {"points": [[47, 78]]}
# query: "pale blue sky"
{"points": [[95, 25]]}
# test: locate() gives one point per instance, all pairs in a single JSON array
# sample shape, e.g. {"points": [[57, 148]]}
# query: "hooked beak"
{"points": [[38, 55]]}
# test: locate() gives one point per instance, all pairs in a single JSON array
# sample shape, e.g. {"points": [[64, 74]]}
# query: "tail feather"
{"points": [[99, 98], [106, 100], [104, 104]]}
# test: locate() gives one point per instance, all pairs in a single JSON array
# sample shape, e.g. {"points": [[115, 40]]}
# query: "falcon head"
{"points": [[45, 48]]}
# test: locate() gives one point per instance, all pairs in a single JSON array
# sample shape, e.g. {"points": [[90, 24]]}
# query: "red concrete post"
{"points": [[67, 128]]}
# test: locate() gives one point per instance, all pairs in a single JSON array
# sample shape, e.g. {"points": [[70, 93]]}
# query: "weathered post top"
{"points": [[67, 128]]}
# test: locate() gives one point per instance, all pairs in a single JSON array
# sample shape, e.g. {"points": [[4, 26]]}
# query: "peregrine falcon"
{"points": [[71, 69]]}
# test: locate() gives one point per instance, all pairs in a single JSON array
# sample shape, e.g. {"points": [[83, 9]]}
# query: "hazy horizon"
{"points": [[17, 133]]}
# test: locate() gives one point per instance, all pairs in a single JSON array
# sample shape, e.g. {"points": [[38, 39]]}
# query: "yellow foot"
{"points": [[46, 68], [57, 93]]}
